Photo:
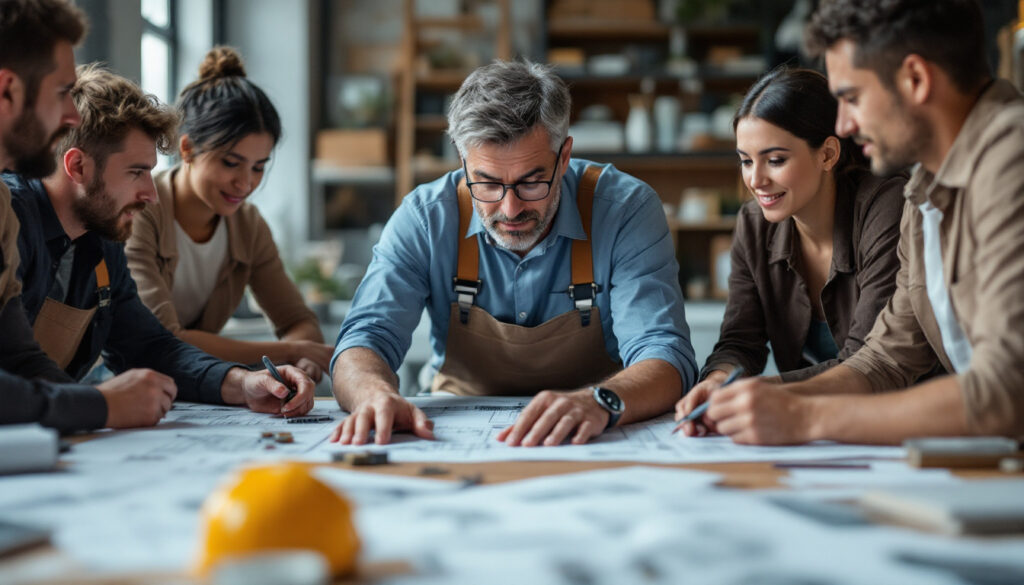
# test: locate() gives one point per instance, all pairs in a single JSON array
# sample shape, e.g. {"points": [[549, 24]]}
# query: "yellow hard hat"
{"points": [[277, 507]]}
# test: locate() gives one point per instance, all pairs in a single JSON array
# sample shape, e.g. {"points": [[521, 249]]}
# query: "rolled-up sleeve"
{"points": [[877, 265], [389, 302], [648, 317], [896, 351]]}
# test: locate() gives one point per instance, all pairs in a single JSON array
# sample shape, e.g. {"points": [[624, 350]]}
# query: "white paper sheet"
{"points": [[879, 473], [639, 525], [204, 432]]}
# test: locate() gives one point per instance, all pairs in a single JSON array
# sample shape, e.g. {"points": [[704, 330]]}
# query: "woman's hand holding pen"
{"points": [[698, 395], [698, 411]]}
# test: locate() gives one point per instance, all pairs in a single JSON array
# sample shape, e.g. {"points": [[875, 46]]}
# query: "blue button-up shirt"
{"points": [[125, 330], [640, 301]]}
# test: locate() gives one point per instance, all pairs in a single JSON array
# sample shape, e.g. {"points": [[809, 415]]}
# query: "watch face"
{"points": [[610, 398]]}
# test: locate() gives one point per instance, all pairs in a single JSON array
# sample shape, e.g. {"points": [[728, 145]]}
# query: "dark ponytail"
{"points": [[223, 106]]}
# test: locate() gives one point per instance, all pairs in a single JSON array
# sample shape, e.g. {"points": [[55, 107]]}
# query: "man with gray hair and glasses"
{"points": [[542, 275]]}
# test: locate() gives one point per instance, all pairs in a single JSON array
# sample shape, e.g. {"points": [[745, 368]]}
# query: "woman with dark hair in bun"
{"points": [[814, 253], [193, 255]]}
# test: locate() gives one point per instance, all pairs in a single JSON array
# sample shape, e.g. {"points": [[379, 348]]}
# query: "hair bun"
{"points": [[221, 62]]}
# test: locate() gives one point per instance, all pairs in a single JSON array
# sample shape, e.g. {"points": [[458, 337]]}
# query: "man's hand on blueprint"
{"points": [[382, 413], [552, 416]]}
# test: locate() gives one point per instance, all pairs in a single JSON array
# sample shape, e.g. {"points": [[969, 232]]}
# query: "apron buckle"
{"points": [[466, 291], [583, 297], [104, 296]]}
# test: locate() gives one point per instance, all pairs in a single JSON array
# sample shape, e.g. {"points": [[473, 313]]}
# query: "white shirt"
{"points": [[196, 274], [954, 341]]}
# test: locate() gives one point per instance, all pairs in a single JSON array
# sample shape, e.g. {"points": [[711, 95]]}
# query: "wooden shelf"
{"points": [[326, 172], [432, 169], [606, 30], [459, 22], [415, 133], [678, 162], [725, 224], [441, 80], [726, 33], [633, 77], [431, 122]]}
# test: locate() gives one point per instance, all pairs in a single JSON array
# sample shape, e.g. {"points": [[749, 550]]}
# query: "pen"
{"points": [[277, 376], [700, 410]]}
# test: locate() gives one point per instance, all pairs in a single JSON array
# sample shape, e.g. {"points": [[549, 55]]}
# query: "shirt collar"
{"points": [[956, 169], [958, 165], [780, 246], [88, 246], [49, 222]]}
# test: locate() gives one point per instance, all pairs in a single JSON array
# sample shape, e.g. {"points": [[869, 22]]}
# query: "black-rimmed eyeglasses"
{"points": [[493, 192]]}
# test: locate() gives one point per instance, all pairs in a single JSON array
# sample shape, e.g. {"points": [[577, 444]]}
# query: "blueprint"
{"points": [[465, 429], [202, 433]]}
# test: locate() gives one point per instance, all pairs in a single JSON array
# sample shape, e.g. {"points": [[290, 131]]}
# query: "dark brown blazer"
{"points": [[768, 299]]}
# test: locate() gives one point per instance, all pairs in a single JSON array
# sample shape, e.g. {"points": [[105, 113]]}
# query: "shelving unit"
{"points": [[706, 81], [421, 152], [420, 84]]}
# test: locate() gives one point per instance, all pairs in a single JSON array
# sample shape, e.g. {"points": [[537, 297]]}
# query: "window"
{"points": [[158, 55], [158, 44]]}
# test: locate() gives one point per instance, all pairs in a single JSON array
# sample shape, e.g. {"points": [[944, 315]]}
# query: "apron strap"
{"points": [[583, 289], [467, 280], [102, 283]]}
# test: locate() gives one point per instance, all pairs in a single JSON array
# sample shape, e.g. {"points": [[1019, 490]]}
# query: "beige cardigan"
{"points": [[252, 260]]}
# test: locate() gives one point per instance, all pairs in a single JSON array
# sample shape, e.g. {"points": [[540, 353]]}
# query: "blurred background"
{"points": [[362, 87]]}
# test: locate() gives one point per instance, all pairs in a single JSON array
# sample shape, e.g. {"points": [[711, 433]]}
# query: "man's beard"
{"points": [[98, 212], [28, 147], [519, 241], [891, 158]]}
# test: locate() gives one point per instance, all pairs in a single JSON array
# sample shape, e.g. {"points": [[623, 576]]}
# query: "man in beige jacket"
{"points": [[914, 88]]}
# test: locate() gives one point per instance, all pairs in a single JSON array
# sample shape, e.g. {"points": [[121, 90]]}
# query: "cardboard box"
{"points": [[365, 147]]}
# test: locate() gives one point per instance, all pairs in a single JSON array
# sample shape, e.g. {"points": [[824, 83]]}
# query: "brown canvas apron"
{"points": [[59, 328], [485, 357]]}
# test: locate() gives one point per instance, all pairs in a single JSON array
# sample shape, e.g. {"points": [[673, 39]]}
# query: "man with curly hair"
{"points": [[77, 291], [915, 90]]}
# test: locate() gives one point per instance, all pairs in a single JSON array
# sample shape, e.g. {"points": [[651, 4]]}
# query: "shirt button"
{"points": [[522, 314]]}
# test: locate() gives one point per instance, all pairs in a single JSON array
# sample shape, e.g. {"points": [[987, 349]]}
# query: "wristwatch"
{"points": [[611, 402]]}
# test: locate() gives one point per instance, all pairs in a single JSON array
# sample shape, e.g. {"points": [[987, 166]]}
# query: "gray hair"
{"points": [[503, 102]]}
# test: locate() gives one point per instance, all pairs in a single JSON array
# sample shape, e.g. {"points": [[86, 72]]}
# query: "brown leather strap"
{"points": [[469, 252], [582, 250], [583, 290], [102, 283], [466, 283]]}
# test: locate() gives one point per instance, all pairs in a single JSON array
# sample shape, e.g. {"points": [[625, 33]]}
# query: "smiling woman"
{"points": [[193, 255], [814, 253]]}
